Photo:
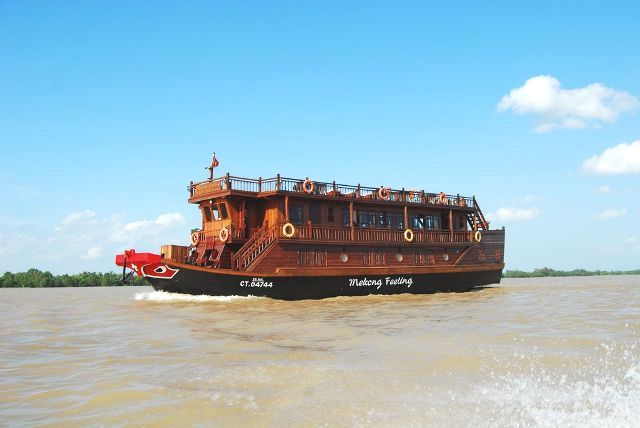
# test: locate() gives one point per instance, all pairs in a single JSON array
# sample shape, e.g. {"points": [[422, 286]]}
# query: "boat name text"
{"points": [[366, 282]]}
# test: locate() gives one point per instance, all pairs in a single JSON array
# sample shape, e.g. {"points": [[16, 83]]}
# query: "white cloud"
{"points": [[507, 214], [621, 159], [603, 189], [555, 107], [145, 228], [92, 253], [87, 241], [610, 213], [632, 241], [86, 215]]}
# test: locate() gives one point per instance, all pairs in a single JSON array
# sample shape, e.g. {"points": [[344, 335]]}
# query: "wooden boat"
{"points": [[291, 239]]}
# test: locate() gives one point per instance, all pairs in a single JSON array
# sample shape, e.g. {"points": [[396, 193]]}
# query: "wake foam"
{"points": [[163, 296], [606, 393]]}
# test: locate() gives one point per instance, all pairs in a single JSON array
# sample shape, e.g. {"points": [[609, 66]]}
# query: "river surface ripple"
{"points": [[530, 352]]}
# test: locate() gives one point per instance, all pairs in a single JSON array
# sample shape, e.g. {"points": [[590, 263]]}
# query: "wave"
{"points": [[163, 296]]}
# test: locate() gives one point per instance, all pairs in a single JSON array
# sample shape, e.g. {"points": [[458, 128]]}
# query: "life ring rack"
{"points": [[288, 230], [408, 235]]}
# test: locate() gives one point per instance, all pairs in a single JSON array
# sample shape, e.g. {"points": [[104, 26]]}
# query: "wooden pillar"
{"points": [[243, 220], [278, 182], [286, 208], [353, 231], [450, 225], [406, 217], [227, 180]]}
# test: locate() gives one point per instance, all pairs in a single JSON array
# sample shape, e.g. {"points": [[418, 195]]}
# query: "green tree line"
{"points": [[34, 278], [545, 271]]}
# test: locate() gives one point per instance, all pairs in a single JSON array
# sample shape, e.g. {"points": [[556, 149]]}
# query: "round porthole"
{"points": [[445, 257], [399, 257], [344, 258]]}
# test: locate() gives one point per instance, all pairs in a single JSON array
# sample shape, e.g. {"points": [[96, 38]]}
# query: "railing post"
{"points": [[335, 189], [351, 227], [403, 197], [278, 182], [259, 184], [191, 189], [227, 180]]}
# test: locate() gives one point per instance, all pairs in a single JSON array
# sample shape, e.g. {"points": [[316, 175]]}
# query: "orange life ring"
{"points": [[223, 235], [462, 203], [195, 238], [308, 186], [442, 198], [384, 193]]}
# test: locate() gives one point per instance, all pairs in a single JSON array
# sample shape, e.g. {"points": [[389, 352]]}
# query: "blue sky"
{"points": [[108, 109]]}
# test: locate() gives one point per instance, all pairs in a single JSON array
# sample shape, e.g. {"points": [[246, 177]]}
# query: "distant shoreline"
{"points": [[34, 278], [543, 272]]}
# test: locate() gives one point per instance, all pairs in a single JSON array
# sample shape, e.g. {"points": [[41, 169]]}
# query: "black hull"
{"points": [[195, 281]]}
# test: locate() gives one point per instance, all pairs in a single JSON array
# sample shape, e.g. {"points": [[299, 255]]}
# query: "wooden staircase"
{"points": [[476, 219], [254, 248]]}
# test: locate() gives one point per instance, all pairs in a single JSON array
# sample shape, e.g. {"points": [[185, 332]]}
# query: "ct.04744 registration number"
{"points": [[256, 282]]}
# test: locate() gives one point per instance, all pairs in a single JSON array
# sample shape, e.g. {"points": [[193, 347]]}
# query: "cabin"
{"points": [[275, 224]]}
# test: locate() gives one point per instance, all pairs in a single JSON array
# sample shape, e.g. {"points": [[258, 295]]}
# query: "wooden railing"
{"points": [[234, 233], [252, 249], [333, 189], [345, 234]]}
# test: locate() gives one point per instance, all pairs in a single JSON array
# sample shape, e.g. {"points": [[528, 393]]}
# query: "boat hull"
{"points": [[188, 279]]}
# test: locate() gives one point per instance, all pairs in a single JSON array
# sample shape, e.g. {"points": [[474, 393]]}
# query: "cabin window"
{"points": [[366, 218], [295, 214], [223, 211], [432, 222], [314, 214], [345, 217], [373, 258], [417, 221], [207, 213], [216, 212], [330, 217], [386, 219], [312, 258]]}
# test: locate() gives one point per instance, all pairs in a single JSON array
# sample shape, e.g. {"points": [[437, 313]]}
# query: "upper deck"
{"points": [[265, 187]]}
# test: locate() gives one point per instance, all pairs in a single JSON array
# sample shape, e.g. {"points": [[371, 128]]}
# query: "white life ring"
{"points": [[223, 235], [308, 186], [408, 235], [477, 236], [288, 230], [384, 193], [195, 238]]}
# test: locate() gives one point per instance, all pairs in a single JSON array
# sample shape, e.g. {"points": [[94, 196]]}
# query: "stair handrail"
{"points": [[483, 222], [252, 246]]}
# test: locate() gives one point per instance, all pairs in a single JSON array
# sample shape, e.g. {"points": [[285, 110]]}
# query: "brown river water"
{"points": [[529, 352]]}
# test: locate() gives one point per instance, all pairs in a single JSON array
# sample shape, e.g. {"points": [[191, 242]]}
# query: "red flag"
{"points": [[214, 161]]}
